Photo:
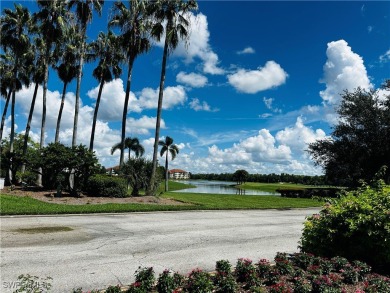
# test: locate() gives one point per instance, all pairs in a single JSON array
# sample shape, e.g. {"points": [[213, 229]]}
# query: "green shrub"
{"points": [[355, 226], [113, 289], [165, 282], [106, 186], [223, 266], [225, 282], [199, 282], [168, 282], [145, 276]]}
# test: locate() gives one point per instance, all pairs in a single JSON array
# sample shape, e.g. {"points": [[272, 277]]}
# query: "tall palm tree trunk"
{"points": [[11, 140], [43, 124], [166, 171], [124, 116], [77, 101], [28, 126], [5, 113], [95, 114], [158, 119], [60, 113]]}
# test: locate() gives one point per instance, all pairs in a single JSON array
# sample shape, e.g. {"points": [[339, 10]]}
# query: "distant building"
{"points": [[178, 174], [113, 171]]}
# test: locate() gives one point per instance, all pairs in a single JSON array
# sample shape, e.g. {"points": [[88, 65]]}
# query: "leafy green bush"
{"points": [[106, 186], [199, 282], [145, 276], [356, 226]]}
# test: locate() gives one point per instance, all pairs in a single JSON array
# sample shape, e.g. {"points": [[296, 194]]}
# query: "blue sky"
{"points": [[258, 81]]}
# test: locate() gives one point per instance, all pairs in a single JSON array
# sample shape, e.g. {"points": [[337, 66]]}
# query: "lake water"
{"points": [[220, 187]]}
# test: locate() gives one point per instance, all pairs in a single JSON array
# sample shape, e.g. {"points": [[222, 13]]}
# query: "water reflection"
{"points": [[220, 187]]}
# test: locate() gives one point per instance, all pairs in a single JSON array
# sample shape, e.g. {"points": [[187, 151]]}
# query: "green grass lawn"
{"points": [[272, 187], [226, 202], [16, 205]]}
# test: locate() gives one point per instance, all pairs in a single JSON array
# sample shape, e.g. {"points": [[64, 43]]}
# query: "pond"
{"points": [[220, 187]]}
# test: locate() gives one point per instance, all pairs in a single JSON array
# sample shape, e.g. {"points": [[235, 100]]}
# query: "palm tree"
{"points": [[67, 70], [132, 144], [5, 86], [133, 24], [170, 18], [14, 26], [50, 22], [37, 76], [168, 147], [106, 47], [84, 13]]}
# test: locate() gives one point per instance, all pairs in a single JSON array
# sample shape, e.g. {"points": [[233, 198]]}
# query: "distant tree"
{"points": [[360, 143], [168, 147], [240, 176]]}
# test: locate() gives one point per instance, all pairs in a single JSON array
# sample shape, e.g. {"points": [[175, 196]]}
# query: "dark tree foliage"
{"points": [[360, 143], [265, 178], [16, 156], [240, 176], [57, 160]]}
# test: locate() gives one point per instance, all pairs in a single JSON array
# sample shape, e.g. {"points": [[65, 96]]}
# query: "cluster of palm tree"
{"points": [[55, 37], [133, 144]]}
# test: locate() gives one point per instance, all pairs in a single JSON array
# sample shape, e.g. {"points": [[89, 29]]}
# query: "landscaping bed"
{"points": [[66, 198], [299, 272]]}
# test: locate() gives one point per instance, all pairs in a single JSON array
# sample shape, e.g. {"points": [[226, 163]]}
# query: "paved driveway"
{"points": [[106, 249]]}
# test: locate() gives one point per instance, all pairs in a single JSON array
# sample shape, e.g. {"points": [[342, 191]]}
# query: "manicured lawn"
{"points": [[272, 187], [16, 205], [226, 202]]}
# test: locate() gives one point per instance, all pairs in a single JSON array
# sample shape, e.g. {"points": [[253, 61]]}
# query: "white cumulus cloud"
{"points": [[173, 96], [191, 79], [112, 101], [142, 125], [198, 45], [343, 70], [299, 136], [196, 105], [263, 78], [247, 50]]}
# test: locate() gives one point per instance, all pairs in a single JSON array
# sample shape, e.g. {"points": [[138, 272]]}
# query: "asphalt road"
{"points": [[104, 250]]}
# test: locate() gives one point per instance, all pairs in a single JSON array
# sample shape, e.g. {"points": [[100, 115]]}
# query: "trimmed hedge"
{"points": [[106, 186], [309, 192]]}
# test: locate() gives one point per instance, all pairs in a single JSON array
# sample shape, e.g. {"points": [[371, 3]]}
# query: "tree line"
{"points": [[54, 38], [265, 178]]}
